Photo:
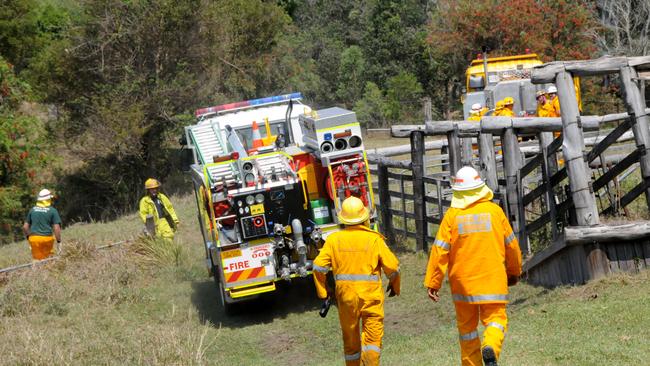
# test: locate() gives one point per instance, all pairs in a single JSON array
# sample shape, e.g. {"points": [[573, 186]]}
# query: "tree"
{"points": [[371, 108], [626, 27], [351, 75], [403, 98], [23, 154], [554, 29]]}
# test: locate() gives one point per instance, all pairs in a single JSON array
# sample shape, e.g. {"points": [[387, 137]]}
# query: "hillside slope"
{"points": [[118, 307]]}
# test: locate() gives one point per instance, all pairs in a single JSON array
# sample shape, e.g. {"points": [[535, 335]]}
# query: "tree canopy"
{"points": [[120, 79]]}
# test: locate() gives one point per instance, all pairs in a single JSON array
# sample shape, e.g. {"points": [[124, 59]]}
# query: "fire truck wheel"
{"points": [[226, 301]]}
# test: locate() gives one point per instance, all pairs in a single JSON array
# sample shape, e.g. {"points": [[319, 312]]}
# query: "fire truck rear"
{"points": [[269, 177]]}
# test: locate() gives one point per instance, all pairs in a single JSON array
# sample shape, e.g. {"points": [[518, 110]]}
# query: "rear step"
{"points": [[243, 291]]}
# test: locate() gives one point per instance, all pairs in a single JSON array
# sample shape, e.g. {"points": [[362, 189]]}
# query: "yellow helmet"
{"points": [[499, 105], [353, 212], [508, 101], [151, 183]]}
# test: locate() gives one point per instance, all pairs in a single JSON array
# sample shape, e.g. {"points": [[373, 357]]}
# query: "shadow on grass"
{"points": [[299, 296]]}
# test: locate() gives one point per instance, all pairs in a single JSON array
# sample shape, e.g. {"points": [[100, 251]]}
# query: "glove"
{"points": [[512, 280], [325, 307], [390, 290]]}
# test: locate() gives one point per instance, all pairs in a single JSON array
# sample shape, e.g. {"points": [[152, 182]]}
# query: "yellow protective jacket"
{"points": [[480, 250], [474, 117], [555, 102], [355, 255], [546, 110], [505, 112], [148, 207]]}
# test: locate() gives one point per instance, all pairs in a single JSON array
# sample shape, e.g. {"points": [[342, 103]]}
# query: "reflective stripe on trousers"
{"points": [[496, 325], [370, 347], [355, 277], [353, 357], [468, 336], [476, 298]]}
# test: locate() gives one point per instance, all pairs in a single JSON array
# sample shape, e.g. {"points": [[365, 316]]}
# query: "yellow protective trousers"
{"points": [[360, 348], [42, 246], [163, 230], [495, 320]]}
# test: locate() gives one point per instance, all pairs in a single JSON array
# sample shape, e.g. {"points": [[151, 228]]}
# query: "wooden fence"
{"points": [[546, 192]]}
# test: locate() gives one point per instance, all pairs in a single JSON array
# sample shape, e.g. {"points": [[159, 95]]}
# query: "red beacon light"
{"points": [[527, 51], [479, 56], [234, 155]]}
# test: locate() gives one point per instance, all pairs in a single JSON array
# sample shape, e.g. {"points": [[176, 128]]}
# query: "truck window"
{"points": [[246, 133]]}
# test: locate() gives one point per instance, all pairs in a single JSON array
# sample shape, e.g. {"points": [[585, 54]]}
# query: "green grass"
{"points": [[111, 307]]}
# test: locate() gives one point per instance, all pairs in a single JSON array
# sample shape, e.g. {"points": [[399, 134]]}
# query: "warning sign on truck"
{"points": [[251, 263]]}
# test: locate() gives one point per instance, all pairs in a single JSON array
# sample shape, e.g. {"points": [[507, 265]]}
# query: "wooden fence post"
{"points": [[487, 158], [467, 153], [427, 109], [549, 167], [573, 149], [453, 141], [512, 162], [384, 201], [635, 102], [419, 203]]}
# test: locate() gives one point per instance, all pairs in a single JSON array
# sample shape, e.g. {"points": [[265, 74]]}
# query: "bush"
{"points": [[23, 154]]}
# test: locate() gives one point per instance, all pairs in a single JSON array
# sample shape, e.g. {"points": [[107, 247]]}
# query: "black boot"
{"points": [[489, 357]]}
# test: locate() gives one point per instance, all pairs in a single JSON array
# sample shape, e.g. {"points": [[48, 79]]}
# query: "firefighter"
{"points": [[42, 226], [498, 109], [508, 105], [554, 100], [544, 108], [475, 113], [356, 255], [157, 204], [477, 244]]}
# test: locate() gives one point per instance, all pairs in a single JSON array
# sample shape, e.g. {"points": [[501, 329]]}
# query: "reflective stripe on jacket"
{"points": [[355, 255], [480, 250]]}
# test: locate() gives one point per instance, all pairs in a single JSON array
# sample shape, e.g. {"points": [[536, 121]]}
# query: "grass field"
{"points": [[116, 306]]}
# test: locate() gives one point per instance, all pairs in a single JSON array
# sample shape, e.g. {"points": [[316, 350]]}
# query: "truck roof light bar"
{"points": [[247, 103]]}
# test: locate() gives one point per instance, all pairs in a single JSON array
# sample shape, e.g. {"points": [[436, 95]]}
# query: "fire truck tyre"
{"points": [[226, 301]]}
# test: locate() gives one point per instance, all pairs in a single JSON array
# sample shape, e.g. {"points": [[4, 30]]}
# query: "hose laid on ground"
{"points": [[26, 265]]}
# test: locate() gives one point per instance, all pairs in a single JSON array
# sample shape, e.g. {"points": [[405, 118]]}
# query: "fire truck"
{"points": [[269, 176]]}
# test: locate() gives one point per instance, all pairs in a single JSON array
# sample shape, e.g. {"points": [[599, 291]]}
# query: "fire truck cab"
{"points": [[269, 176]]}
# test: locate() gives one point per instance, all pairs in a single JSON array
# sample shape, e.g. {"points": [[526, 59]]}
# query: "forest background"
{"points": [[94, 94]]}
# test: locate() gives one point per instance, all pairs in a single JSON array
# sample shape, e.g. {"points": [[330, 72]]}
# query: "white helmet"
{"points": [[551, 89], [476, 107], [467, 178], [44, 195]]}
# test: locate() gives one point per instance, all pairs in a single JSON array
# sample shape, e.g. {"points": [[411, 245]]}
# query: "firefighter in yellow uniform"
{"points": [[544, 107], [475, 242], [160, 207], [498, 109], [356, 256], [554, 100], [475, 113], [508, 105]]}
